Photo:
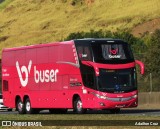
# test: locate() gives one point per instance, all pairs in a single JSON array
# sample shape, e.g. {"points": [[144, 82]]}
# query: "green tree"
{"points": [[137, 44], [90, 34], [152, 59]]}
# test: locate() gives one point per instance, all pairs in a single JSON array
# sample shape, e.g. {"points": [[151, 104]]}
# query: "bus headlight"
{"points": [[101, 97], [135, 96]]}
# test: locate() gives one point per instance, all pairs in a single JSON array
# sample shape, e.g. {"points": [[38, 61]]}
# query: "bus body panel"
{"points": [[42, 73]]}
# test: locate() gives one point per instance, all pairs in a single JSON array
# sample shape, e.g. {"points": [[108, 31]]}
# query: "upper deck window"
{"points": [[112, 53], [102, 51], [84, 53]]}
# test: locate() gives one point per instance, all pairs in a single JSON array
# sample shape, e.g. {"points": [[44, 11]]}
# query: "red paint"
{"points": [[141, 66]]}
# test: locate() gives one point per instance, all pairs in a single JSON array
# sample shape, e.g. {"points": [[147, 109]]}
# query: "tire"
{"points": [[115, 111], [78, 106], [20, 107], [29, 109], [58, 111]]}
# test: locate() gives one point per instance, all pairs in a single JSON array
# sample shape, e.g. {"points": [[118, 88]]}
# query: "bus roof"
{"points": [[38, 45], [85, 40]]}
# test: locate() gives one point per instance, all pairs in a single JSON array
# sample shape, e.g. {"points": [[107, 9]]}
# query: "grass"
{"points": [[33, 22], [46, 117], [76, 117], [93, 116], [4, 4]]}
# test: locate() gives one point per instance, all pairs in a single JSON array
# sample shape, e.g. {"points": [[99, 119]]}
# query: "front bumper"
{"points": [[108, 104]]}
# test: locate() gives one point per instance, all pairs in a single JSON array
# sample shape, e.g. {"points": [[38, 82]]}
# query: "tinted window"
{"points": [[112, 53], [122, 80], [88, 76], [84, 53]]}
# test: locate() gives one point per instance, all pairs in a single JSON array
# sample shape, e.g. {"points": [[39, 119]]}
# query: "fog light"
{"points": [[102, 104]]}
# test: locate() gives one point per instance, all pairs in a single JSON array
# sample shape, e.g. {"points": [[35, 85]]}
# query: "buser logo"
{"points": [[114, 51], [39, 75], [24, 70]]}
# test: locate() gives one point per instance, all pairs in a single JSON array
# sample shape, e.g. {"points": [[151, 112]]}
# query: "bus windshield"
{"points": [[123, 80]]}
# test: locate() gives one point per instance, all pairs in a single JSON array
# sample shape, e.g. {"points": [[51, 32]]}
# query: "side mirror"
{"points": [[141, 65]]}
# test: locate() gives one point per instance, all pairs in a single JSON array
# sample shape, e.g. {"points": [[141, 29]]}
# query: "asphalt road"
{"points": [[151, 112]]}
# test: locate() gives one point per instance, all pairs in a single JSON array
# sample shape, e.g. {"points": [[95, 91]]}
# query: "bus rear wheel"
{"points": [[20, 107], [29, 109], [78, 106]]}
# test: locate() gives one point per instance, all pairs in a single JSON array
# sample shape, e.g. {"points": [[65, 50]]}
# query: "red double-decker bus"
{"points": [[78, 74]]}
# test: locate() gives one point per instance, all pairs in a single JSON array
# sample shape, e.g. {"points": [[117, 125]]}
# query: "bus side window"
{"points": [[80, 52], [84, 53], [88, 76], [87, 52]]}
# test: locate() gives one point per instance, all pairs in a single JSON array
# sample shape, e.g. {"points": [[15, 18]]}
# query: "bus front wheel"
{"points": [[78, 106]]}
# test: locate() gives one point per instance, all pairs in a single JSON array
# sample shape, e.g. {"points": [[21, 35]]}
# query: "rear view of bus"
{"points": [[108, 71]]}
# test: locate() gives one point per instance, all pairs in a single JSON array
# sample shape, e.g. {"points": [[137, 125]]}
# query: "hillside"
{"points": [[26, 22]]}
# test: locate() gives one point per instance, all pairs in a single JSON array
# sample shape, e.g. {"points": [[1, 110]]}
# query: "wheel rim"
{"points": [[79, 105], [28, 106], [20, 106]]}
